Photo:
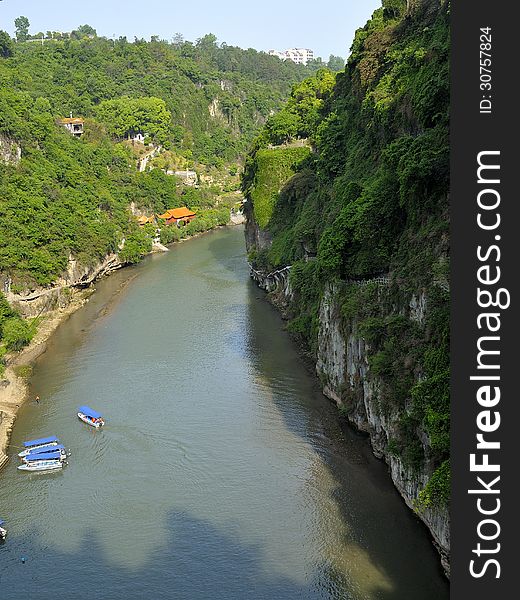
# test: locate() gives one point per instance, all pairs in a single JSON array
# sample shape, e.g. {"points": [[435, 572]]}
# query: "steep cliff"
{"points": [[352, 241]]}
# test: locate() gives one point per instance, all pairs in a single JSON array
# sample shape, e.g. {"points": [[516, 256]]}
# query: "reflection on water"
{"points": [[222, 471]]}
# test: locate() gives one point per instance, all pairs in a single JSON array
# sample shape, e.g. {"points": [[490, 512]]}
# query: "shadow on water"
{"points": [[351, 537], [396, 543], [218, 566]]}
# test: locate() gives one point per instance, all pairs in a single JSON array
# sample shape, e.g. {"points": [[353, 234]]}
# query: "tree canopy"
{"points": [[22, 28]]}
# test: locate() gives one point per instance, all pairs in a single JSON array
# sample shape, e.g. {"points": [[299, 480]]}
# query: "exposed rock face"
{"points": [[429, 6], [77, 276], [342, 366], [215, 110], [10, 151]]}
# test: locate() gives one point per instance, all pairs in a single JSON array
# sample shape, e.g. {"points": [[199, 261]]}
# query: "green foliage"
{"points": [[335, 63], [128, 116], [22, 28], [83, 31], [438, 489], [137, 243], [431, 395], [6, 45], [306, 287], [274, 168], [301, 115], [16, 333], [372, 199]]}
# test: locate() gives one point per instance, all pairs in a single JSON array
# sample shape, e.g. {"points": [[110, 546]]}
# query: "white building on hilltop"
{"points": [[300, 56]]}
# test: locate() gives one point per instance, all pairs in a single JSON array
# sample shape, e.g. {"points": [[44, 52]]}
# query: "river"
{"points": [[222, 471]]}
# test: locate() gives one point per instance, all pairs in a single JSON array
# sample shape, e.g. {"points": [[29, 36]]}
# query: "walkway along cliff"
{"points": [[348, 234]]}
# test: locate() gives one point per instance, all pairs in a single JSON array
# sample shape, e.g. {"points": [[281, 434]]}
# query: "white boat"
{"points": [[90, 416], [3, 532], [42, 462], [42, 465], [32, 445]]}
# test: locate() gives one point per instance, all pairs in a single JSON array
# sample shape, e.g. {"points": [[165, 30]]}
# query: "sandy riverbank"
{"points": [[14, 385]]}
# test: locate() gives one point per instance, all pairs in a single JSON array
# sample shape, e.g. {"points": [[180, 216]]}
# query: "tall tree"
{"points": [[6, 45], [22, 28], [336, 63]]}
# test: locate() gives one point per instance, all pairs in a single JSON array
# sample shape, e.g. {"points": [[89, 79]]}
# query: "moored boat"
{"points": [[90, 416], [44, 452], [42, 462], [3, 531], [32, 445]]}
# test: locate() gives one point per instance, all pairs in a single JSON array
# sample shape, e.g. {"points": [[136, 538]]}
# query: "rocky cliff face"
{"points": [[41, 300], [10, 151], [344, 370], [343, 367]]}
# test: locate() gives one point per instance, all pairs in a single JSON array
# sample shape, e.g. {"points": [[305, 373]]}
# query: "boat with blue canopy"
{"points": [[41, 443], [3, 531], [90, 416], [43, 453], [47, 456], [47, 449]]}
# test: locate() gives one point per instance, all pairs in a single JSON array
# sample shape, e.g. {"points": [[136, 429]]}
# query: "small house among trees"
{"points": [[144, 220], [73, 124]]}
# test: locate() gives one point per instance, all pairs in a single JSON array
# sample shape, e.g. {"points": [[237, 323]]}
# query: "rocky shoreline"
{"points": [[15, 383], [54, 306], [342, 364]]}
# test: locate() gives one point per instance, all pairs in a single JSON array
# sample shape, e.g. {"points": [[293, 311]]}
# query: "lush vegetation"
{"points": [[121, 82], [372, 199], [198, 106], [15, 333], [274, 168]]}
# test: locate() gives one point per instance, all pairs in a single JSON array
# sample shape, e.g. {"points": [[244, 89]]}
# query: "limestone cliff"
{"points": [[41, 300], [343, 367], [351, 241], [10, 151]]}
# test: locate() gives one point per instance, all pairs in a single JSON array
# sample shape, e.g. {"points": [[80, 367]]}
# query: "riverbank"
{"points": [[239, 446], [15, 383]]}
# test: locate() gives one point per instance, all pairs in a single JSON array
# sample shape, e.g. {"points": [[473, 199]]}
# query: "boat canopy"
{"points": [[89, 412], [40, 442], [47, 449], [47, 456]]}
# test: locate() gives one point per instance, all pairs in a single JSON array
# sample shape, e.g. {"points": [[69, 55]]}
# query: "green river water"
{"points": [[222, 471]]}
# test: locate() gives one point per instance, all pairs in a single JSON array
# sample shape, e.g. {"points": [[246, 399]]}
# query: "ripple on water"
{"points": [[220, 468]]}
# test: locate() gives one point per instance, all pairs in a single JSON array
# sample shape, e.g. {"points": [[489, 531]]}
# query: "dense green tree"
{"points": [[16, 333], [127, 116], [22, 28], [336, 63], [6, 45], [86, 30]]}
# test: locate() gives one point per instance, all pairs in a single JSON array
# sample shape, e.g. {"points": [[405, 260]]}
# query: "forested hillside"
{"points": [[197, 106], [348, 185]]}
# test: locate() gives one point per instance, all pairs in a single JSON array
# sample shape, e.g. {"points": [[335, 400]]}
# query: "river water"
{"points": [[221, 473]]}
